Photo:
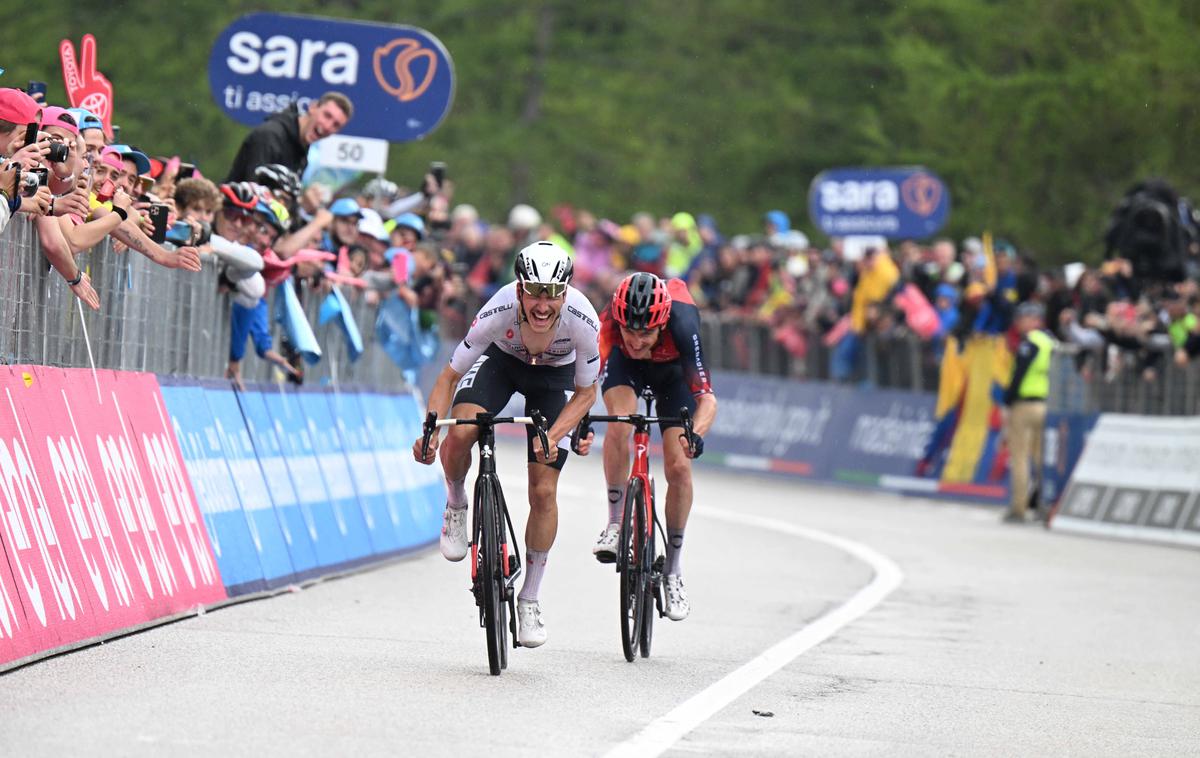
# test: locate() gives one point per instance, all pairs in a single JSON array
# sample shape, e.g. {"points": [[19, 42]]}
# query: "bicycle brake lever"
{"points": [[539, 424], [686, 417], [429, 427]]}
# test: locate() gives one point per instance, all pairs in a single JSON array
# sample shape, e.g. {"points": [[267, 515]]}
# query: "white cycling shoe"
{"points": [[453, 541], [531, 630], [678, 606], [606, 547]]}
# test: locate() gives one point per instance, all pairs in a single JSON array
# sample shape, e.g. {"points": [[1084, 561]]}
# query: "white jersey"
{"points": [[576, 335]]}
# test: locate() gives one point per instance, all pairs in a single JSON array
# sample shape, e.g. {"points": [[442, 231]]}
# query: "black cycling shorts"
{"points": [[496, 376], [665, 380]]}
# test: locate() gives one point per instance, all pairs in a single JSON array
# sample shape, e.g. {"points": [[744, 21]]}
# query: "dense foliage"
{"points": [[1037, 113]]}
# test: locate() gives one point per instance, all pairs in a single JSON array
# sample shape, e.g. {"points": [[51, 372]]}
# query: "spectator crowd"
{"points": [[422, 251]]}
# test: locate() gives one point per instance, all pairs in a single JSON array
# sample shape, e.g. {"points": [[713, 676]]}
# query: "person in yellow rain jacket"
{"points": [[877, 277]]}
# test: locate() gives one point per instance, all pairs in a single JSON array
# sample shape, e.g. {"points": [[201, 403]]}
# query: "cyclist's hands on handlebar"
{"points": [[425, 448], [693, 444], [543, 450], [581, 438]]}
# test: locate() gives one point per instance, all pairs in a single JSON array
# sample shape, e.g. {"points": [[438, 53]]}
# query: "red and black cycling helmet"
{"points": [[641, 302], [239, 195]]}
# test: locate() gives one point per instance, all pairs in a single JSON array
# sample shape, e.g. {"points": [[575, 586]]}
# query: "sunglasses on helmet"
{"points": [[549, 289]]}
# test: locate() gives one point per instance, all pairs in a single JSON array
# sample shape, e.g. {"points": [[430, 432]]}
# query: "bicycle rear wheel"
{"points": [[492, 578], [629, 567]]}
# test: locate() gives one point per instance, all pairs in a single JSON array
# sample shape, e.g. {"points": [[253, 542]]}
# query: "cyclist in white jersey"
{"points": [[539, 337]]}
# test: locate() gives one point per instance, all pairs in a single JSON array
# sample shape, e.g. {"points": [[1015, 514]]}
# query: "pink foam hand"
{"points": [[271, 260], [309, 255], [353, 281], [86, 87]]}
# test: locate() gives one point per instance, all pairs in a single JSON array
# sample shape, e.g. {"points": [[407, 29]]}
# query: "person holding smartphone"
{"points": [[67, 207], [20, 116]]}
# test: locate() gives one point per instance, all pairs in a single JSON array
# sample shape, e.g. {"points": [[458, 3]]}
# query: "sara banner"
{"points": [[400, 79], [899, 203]]}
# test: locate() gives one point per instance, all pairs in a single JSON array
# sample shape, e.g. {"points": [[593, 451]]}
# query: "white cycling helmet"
{"points": [[524, 217], [545, 263]]}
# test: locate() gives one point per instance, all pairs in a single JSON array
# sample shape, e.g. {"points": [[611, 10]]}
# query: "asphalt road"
{"points": [[984, 639]]}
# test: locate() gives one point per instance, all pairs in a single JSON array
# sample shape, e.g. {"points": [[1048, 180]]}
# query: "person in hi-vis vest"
{"points": [[1025, 401]]}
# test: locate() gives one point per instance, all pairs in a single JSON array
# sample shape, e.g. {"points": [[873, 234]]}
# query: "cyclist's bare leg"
{"points": [[618, 401], [456, 453], [678, 468], [542, 526]]}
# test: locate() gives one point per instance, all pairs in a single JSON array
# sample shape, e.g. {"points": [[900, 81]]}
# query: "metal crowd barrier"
{"points": [[1110, 380], [152, 319], [897, 361], [173, 322]]}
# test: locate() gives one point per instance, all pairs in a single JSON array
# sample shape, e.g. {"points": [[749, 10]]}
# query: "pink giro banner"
{"points": [[99, 526]]}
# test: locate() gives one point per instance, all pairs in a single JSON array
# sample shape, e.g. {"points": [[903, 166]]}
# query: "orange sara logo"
{"points": [[397, 79], [922, 193]]}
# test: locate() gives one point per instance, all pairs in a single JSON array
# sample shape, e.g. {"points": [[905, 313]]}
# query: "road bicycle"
{"points": [[495, 558], [639, 562]]}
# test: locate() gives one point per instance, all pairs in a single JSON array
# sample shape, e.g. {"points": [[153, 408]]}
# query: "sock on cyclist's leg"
{"points": [[674, 552], [456, 493], [616, 503], [535, 566]]}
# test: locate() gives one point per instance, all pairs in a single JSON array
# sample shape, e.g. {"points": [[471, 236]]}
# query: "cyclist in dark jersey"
{"points": [[650, 338]]}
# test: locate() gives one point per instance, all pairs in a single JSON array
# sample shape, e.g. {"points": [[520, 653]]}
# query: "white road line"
{"points": [[657, 737]]}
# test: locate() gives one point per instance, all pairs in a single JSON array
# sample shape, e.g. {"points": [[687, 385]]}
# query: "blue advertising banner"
{"points": [[383, 514], [327, 526], [298, 531], [397, 478], [401, 419], [357, 527], [400, 79], [228, 530], [250, 486], [1062, 445], [899, 203], [880, 433], [769, 424]]}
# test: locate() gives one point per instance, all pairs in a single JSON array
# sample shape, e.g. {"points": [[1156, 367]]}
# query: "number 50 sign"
{"points": [[358, 153]]}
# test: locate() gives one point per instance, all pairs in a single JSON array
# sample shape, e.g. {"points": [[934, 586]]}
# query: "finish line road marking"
{"points": [[658, 736]]}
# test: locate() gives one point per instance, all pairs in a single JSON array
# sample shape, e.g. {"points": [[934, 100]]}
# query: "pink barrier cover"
{"points": [[99, 526]]}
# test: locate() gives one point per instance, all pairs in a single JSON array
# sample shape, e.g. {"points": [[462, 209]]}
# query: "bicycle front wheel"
{"points": [[649, 589], [492, 577], [629, 567]]}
